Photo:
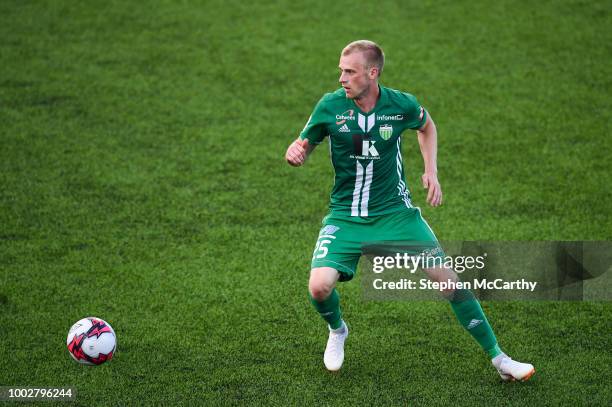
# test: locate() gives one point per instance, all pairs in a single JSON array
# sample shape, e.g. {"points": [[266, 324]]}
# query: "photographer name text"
{"points": [[425, 284]]}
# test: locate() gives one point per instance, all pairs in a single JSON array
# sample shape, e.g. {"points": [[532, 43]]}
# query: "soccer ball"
{"points": [[91, 341]]}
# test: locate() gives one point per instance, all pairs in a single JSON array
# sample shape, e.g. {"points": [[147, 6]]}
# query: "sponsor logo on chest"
{"points": [[389, 118], [364, 148], [344, 116]]}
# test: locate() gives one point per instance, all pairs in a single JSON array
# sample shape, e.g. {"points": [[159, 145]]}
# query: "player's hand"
{"points": [[434, 193], [296, 153]]}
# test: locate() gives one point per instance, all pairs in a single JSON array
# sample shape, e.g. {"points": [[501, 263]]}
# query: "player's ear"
{"points": [[373, 72]]}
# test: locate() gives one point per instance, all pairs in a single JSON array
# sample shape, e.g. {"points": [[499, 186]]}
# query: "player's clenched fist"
{"points": [[297, 152]]}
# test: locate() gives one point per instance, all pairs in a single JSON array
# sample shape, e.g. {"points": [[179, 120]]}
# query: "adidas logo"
{"points": [[474, 323], [344, 129]]}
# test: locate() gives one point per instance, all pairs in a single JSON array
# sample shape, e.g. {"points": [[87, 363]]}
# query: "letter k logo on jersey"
{"points": [[368, 149]]}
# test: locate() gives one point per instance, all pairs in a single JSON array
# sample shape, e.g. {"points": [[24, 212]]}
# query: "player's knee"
{"points": [[447, 277], [321, 284], [319, 293], [319, 290]]}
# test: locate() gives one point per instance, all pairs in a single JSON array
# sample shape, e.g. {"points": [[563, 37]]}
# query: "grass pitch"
{"points": [[143, 182]]}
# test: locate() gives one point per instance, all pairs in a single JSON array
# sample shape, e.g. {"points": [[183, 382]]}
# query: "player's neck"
{"points": [[368, 101]]}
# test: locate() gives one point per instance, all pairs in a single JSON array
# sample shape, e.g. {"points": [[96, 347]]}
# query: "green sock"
{"points": [[471, 317], [329, 309]]}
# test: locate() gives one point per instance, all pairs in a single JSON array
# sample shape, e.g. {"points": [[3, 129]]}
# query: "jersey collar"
{"points": [[382, 101]]}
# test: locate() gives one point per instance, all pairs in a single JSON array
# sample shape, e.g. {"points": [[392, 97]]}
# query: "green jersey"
{"points": [[365, 150]]}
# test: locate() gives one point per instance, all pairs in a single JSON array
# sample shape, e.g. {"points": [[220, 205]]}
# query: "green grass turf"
{"points": [[143, 181]]}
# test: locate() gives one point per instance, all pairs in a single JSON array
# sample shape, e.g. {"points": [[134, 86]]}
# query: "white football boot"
{"points": [[511, 370], [334, 351]]}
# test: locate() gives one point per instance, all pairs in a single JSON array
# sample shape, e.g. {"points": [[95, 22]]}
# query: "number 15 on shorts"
{"points": [[320, 250]]}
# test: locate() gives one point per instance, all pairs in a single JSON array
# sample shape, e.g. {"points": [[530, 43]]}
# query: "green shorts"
{"points": [[343, 239]]}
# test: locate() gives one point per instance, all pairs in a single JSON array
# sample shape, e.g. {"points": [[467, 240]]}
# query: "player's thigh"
{"points": [[407, 232], [406, 225], [338, 247]]}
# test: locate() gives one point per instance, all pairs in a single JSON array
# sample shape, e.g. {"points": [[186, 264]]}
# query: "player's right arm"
{"points": [[312, 135], [298, 151]]}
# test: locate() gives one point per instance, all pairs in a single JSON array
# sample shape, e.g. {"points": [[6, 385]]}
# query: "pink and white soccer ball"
{"points": [[91, 341]]}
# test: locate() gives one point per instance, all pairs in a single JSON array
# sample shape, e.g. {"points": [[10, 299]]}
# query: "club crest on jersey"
{"points": [[385, 131]]}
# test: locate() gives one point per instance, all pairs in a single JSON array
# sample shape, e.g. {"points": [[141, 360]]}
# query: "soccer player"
{"points": [[370, 200]]}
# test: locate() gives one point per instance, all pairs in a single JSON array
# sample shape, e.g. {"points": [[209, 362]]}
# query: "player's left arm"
{"points": [[428, 142]]}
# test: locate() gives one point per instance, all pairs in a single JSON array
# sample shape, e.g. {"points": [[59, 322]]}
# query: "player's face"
{"points": [[355, 78]]}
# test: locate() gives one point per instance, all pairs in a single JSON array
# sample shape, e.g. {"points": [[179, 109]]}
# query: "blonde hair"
{"points": [[374, 55]]}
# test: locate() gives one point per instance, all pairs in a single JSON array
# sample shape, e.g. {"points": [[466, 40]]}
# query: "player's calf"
{"points": [[324, 296]]}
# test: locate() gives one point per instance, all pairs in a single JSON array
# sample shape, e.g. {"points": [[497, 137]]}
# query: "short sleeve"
{"points": [[416, 115], [316, 128]]}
